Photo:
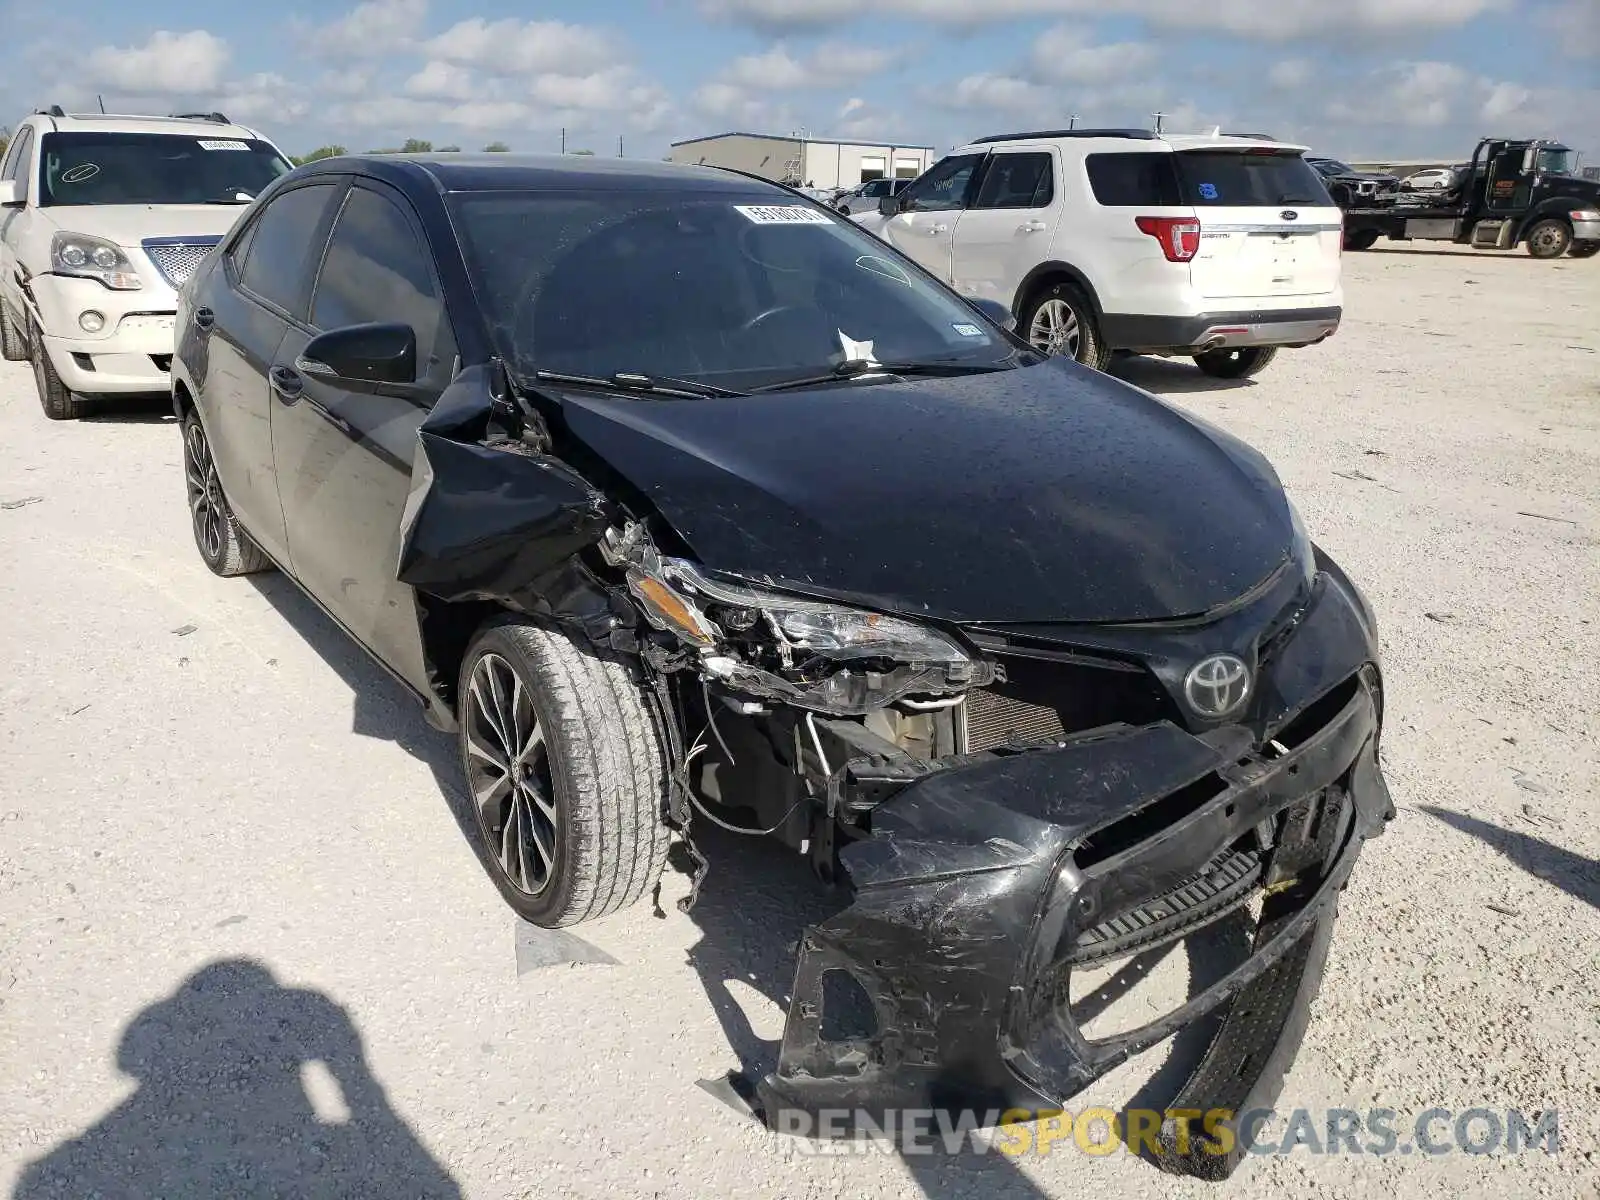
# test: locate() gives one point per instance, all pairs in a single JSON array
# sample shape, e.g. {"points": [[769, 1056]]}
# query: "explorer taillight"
{"points": [[1179, 236]]}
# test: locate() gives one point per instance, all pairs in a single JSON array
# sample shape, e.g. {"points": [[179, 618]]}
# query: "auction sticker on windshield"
{"points": [[221, 144], [782, 214]]}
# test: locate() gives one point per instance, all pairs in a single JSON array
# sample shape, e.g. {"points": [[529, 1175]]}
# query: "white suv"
{"points": [[102, 219], [1217, 246]]}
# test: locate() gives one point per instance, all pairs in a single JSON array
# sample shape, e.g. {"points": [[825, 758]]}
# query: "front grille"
{"points": [[177, 259]]}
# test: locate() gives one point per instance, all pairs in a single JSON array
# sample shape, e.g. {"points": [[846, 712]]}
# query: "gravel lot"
{"points": [[226, 849]]}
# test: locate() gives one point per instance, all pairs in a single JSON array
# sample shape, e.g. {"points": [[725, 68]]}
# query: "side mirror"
{"points": [[8, 194], [362, 354], [996, 312], [890, 206]]}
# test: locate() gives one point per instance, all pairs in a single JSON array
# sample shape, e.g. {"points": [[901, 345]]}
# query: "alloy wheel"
{"points": [[1054, 329], [205, 493], [508, 772]]}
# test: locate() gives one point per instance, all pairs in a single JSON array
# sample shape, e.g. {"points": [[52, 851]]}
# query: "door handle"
{"points": [[935, 230], [286, 381], [1031, 227], [204, 318]]}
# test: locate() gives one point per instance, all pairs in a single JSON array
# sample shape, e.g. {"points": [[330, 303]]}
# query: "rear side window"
{"points": [[1017, 181], [377, 270], [1133, 180], [283, 248], [1248, 179]]}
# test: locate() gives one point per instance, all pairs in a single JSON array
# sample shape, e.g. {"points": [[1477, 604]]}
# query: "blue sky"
{"points": [[1352, 77]]}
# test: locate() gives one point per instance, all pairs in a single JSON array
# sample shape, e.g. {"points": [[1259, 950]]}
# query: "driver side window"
{"points": [[945, 185]]}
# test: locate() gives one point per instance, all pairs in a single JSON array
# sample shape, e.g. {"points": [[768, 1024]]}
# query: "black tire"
{"points": [[1364, 239], [1239, 363], [1549, 238], [1584, 249], [57, 400], [1091, 349], [224, 546], [13, 346], [594, 783]]}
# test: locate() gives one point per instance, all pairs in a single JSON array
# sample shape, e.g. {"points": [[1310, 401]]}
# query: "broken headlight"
{"points": [[681, 599]]}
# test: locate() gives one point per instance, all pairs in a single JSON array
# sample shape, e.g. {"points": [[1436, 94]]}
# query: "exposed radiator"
{"points": [[993, 720]]}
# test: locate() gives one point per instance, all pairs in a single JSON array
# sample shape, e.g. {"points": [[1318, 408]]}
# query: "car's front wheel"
{"points": [[1060, 320], [1549, 238], [1240, 363], [56, 398], [224, 546], [566, 773]]}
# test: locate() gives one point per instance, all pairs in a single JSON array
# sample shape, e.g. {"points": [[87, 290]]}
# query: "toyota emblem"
{"points": [[1289, 214], [1217, 685]]}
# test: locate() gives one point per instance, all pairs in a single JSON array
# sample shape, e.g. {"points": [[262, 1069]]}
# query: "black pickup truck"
{"points": [[1513, 193]]}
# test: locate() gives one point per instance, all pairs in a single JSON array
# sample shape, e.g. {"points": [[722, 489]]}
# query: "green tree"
{"points": [[5, 138], [497, 148], [320, 152], [416, 146], [580, 151], [449, 150]]}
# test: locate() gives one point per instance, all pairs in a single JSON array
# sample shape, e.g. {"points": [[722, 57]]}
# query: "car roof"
{"points": [[546, 172], [1135, 140], [196, 126]]}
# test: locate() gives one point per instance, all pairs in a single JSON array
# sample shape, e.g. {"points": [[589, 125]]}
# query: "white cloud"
{"points": [[511, 46], [827, 65], [1576, 24], [168, 64], [1290, 74], [1417, 94], [439, 80], [1287, 20], [264, 97], [1065, 54], [369, 30]]}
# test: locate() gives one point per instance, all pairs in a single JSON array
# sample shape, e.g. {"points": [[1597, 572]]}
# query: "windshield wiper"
{"points": [[636, 381], [850, 368]]}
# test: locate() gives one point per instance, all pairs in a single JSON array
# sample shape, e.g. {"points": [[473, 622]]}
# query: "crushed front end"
{"points": [[983, 881]]}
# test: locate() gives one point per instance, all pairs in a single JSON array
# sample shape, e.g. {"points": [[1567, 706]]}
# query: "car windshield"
{"points": [[154, 168], [1553, 161], [736, 290], [1333, 164], [1248, 179]]}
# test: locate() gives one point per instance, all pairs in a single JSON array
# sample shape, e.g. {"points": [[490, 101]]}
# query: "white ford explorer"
{"points": [[1221, 247], [102, 219]]}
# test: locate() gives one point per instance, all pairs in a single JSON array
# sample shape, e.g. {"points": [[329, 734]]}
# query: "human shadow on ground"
{"points": [[223, 1108], [1572, 873], [756, 902]]}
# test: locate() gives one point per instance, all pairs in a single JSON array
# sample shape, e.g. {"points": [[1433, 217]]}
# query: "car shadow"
{"points": [[1442, 253], [380, 707], [245, 1088], [130, 410], [1579, 877], [1170, 375]]}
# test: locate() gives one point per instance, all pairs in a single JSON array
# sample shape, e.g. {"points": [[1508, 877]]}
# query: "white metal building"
{"points": [[803, 161]]}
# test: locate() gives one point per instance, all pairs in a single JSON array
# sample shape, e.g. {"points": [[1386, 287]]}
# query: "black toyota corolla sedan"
{"points": [[679, 498]]}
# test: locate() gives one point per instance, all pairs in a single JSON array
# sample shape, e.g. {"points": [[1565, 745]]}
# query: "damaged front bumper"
{"points": [[1118, 842]]}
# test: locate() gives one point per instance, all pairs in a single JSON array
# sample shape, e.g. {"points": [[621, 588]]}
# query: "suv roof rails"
{"points": [[1142, 135], [55, 110], [214, 117]]}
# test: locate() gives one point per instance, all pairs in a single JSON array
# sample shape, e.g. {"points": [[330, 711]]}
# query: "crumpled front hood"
{"points": [[1048, 493], [129, 224]]}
